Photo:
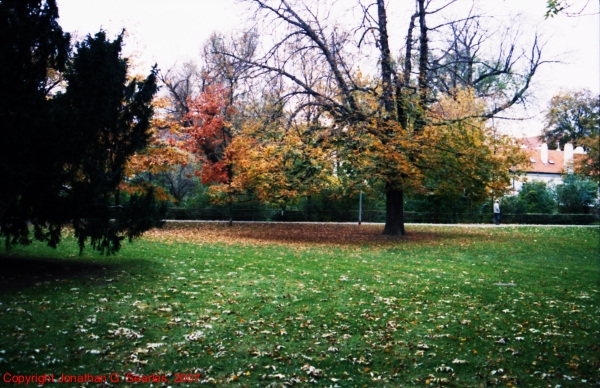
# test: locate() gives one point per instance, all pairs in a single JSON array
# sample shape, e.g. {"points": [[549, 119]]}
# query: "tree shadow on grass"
{"points": [[18, 272]]}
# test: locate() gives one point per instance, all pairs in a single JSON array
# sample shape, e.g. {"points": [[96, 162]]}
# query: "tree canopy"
{"points": [[577, 194], [280, 111], [33, 48], [572, 117], [66, 144], [403, 128]]}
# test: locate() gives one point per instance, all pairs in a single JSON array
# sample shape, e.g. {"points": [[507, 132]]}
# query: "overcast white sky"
{"points": [[170, 32]]}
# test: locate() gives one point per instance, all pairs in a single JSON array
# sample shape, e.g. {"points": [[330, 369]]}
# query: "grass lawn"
{"points": [[333, 305]]}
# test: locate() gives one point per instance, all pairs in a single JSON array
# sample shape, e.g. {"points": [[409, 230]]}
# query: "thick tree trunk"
{"points": [[394, 213], [394, 207]]}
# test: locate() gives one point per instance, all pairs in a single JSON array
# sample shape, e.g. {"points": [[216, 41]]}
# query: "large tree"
{"points": [[204, 105], [108, 116], [572, 117], [382, 127], [33, 46], [64, 153]]}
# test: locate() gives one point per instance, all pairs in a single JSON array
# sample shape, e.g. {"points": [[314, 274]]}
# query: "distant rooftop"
{"points": [[555, 165], [544, 161]]}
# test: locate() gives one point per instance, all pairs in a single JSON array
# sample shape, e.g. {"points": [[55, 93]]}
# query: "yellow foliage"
{"points": [[457, 153], [163, 153], [465, 156], [278, 166]]}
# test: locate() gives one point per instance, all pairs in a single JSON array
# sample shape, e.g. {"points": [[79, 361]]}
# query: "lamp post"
{"points": [[360, 208]]}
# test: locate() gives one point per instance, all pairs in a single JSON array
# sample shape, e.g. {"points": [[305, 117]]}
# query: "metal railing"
{"points": [[372, 215]]}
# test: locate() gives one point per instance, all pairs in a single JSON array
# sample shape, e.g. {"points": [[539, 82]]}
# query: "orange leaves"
{"points": [[381, 150], [163, 151], [141, 188], [461, 104], [462, 155], [155, 159], [589, 163], [276, 164], [215, 172], [210, 134], [256, 166], [161, 155], [290, 234]]}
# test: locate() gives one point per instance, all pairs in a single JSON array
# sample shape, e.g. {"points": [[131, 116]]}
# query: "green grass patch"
{"points": [[452, 306]]}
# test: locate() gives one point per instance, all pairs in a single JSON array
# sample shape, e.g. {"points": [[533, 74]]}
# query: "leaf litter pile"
{"points": [[297, 234], [298, 304]]}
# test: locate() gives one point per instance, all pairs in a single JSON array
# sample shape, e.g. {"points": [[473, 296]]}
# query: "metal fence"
{"points": [[372, 215]]}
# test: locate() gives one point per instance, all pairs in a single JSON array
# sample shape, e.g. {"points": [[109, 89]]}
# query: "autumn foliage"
{"points": [[463, 154], [456, 154], [279, 164], [164, 152], [209, 133]]}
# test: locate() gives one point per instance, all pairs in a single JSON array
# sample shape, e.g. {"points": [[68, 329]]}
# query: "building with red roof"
{"points": [[544, 165]]}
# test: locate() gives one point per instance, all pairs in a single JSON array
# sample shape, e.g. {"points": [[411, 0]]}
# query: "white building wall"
{"points": [[549, 179]]}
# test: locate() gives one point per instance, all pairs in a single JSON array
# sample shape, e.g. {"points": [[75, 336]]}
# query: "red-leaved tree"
{"points": [[209, 133], [209, 136]]}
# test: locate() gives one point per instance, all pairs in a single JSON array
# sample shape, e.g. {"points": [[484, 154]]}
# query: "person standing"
{"points": [[497, 212]]}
